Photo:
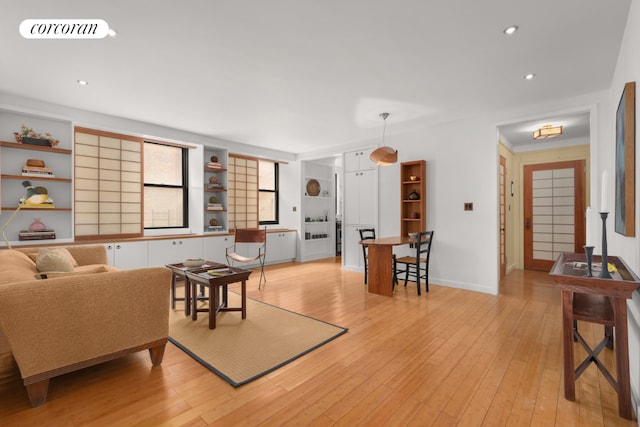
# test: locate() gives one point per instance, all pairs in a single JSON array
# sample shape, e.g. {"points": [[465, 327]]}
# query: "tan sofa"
{"points": [[78, 318]]}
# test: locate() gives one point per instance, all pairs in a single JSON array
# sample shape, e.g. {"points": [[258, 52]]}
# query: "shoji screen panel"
{"points": [[108, 184], [553, 213], [242, 192]]}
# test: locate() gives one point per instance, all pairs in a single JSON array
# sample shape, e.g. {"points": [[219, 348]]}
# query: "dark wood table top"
{"points": [[391, 241], [223, 274], [569, 273]]}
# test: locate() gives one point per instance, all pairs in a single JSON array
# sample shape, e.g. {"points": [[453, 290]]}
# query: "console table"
{"points": [[597, 300]]}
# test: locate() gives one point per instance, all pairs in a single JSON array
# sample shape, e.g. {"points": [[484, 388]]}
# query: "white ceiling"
{"points": [[576, 129], [302, 75]]}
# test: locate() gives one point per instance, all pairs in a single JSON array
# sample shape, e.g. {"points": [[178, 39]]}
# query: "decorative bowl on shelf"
{"points": [[413, 178], [413, 235], [193, 262]]}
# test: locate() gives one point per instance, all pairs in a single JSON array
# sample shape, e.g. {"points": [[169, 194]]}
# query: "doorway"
{"points": [[503, 217], [553, 196]]}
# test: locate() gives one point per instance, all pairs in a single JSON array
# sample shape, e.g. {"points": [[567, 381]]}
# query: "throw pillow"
{"points": [[54, 259], [54, 274], [33, 254]]}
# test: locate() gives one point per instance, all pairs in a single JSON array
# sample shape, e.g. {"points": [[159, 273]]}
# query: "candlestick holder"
{"points": [[588, 250], [604, 271]]}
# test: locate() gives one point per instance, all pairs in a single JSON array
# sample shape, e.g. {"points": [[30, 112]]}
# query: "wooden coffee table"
{"points": [[179, 272], [218, 281]]}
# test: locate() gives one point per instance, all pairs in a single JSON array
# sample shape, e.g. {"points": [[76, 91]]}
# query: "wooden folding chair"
{"points": [[249, 235]]}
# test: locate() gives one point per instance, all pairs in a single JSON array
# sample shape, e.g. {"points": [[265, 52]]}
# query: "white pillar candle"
{"points": [[589, 230], [603, 195]]}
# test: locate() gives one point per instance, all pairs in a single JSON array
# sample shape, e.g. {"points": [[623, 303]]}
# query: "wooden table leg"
{"points": [[567, 346], [194, 299], [380, 275], [243, 293], [187, 296], [214, 300], [173, 290], [622, 357]]}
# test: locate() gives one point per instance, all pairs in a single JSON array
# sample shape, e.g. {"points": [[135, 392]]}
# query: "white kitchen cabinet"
{"points": [[360, 206], [358, 160], [352, 257], [127, 255], [281, 247], [171, 251], [214, 248], [360, 198]]}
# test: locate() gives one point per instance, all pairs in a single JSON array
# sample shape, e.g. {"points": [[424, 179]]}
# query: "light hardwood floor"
{"points": [[450, 357]]}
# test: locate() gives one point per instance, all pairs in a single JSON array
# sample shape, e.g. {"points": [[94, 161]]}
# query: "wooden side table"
{"points": [[179, 271], [601, 301], [216, 283]]}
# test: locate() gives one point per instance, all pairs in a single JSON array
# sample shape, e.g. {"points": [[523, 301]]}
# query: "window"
{"points": [[165, 186], [268, 191]]}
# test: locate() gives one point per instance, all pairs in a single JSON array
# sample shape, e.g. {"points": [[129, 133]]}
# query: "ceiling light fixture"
{"points": [[547, 131], [529, 76], [384, 156], [83, 82], [112, 32], [510, 30]]}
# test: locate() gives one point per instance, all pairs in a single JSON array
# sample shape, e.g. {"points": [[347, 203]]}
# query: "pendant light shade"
{"points": [[384, 156]]}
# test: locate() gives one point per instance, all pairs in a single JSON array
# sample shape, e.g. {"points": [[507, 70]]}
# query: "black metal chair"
{"points": [[366, 234], [416, 266]]}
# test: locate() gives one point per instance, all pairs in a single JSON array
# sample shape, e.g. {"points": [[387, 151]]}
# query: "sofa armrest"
{"points": [[55, 323]]}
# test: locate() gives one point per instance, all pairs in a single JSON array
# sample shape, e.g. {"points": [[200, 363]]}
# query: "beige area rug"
{"points": [[240, 351]]}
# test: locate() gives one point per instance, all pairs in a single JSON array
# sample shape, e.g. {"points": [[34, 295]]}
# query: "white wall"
{"points": [[627, 69]]}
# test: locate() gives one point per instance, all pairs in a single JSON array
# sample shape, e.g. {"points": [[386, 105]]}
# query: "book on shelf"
{"points": [[36, 234], [37, 171], [214, 165], [38, 174], [214, 185], [40, 206], [36, 168], [215, 228]]}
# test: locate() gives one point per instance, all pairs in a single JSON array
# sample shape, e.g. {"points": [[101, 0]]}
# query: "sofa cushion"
{"points": [[16, 267], [54, 259], [78, 271]]}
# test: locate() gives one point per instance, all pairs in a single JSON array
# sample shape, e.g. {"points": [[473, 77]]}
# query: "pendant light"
{"points": [[384, 156]]}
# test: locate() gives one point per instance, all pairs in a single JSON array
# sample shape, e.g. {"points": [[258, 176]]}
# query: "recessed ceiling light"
{"points": [[112, 32], [83, 82], [510, 30], [529, 76]]}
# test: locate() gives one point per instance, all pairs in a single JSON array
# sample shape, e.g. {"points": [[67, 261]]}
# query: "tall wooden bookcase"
{"points": [[413, 196]]}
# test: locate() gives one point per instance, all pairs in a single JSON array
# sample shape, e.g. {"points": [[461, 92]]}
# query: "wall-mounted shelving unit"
{"points": [[413, 206], [215, 190], [318, 213], [59, 187]]}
